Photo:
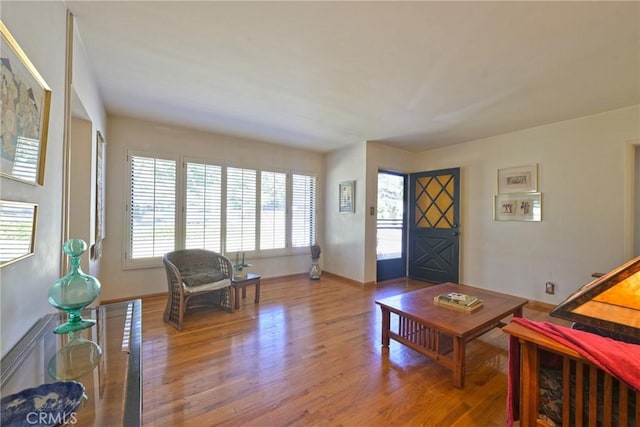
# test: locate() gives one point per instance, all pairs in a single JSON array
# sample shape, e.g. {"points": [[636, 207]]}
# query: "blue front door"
{"points": [[434, 232]]}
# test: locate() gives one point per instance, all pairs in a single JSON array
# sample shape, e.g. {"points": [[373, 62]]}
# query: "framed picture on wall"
{"points": [[24, 116], [100, 224], [518, 179], [518, 207], [347, 193]]}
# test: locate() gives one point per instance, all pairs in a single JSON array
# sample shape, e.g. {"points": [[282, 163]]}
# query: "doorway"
{"points": [[434, 233], [391, 230]]}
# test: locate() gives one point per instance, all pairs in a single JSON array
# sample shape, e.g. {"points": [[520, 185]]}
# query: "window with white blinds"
{"points": [[303, 210], [224, 209], [152, 207], [273, 210], [203, 207], [241, 210]]}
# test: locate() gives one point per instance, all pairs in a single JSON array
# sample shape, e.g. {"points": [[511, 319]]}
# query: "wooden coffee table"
{"points": [[442, 333]]}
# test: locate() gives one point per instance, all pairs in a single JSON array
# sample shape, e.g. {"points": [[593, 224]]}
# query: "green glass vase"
{"points": [[75, 291]]}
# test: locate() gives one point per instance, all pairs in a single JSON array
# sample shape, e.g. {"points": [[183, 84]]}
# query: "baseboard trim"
{"points": [[540, 306], [347, 279], [263, 281], [285, 277], [532, 304]]}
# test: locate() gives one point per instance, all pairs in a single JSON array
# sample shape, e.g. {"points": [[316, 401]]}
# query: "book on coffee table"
{"points": [[458, 298], [459, 307], [458, 301]]}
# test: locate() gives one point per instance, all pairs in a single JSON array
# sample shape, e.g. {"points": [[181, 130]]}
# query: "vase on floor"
{"points": [[315, 271]]}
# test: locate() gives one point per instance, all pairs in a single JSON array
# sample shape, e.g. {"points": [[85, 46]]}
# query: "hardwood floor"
{"points": [[309, 354]]}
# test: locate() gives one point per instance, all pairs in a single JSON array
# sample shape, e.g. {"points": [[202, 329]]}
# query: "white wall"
{"points": [[345, 232], [583, 172], [127, 133], [39, 28]]}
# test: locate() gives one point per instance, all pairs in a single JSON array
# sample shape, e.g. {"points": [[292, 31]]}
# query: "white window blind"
{"points": [[241, 210], [152, 209], [273, 210], [203, 211], [303, 210]]}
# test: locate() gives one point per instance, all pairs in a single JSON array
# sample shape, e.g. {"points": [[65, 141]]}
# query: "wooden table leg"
{"points": [[242, 287], [458, 362], [386, 325]]}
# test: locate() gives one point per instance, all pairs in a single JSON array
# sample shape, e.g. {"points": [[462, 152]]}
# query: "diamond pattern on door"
{"points": [[434, 202], [434, 243]]}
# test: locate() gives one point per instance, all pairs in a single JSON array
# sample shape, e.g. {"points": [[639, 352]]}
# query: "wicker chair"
{"points": [[196, 278]]}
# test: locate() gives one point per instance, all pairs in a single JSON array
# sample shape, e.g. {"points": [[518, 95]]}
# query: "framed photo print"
{"points": [[24, 116], [518, 207], [518, 179], [347, 200], [100, 228]]}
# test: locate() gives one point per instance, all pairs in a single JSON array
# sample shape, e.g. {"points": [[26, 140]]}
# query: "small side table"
{"points": [[242, 283]]}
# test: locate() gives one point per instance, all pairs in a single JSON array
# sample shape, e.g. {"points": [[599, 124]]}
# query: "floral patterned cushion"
{"points": [[551, 396]]}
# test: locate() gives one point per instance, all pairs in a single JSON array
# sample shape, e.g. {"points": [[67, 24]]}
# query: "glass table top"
{"points": [[105, 358]]}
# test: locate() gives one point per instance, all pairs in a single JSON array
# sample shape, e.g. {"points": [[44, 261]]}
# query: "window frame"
{"points": [[223, 202], [180, 210], [146, 262], [287, 225], [256, 219], [301, 249]]}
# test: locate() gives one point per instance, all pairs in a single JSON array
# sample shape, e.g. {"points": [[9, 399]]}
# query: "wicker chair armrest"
{"points": [[173, 274], [224, 265]]}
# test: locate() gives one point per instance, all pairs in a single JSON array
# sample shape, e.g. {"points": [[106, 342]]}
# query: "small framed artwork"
{"points": [[24, 116], [519, 179], [518, 207], [347, 193], [17, 230], [100, 229]]}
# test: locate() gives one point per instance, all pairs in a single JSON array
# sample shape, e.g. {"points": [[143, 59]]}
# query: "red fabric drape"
{"points": [[617, 358]]}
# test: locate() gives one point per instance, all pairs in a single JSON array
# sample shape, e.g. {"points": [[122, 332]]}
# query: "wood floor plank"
{"points": [[310, 354]]}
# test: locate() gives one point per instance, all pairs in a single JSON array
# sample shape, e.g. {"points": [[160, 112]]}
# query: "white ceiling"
{"points": [[324, 75]]}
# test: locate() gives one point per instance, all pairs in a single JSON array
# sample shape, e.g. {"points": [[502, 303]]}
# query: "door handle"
{"points": [[455, 233]]}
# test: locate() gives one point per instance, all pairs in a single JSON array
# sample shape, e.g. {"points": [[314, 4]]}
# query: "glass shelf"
{"points": [[105, 358]]}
